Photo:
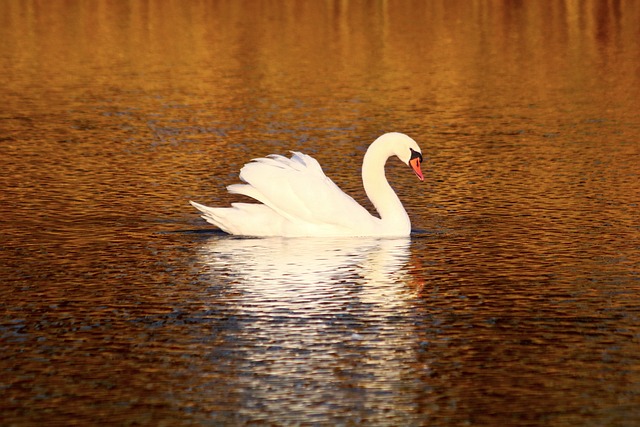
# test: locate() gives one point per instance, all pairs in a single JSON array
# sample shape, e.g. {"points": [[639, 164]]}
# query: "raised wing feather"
{"points": [[298, 189]]}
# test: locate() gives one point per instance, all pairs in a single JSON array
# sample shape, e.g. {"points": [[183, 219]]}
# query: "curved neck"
{"points": [[385, 200]]}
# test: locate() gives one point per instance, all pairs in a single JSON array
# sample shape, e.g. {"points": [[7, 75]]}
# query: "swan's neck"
{"points": [[392, 213]]}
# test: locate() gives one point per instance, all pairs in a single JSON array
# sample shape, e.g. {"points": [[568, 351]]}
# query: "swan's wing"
{"points": [[298, 189]]}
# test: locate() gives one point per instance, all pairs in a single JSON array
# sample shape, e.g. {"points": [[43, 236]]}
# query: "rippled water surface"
{"points": [[516, 301]]}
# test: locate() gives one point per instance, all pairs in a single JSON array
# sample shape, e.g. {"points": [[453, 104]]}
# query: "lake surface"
{"points": [[516, 301]]}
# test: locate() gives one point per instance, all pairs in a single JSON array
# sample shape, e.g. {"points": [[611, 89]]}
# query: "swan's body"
{"points": [[298, 199]]}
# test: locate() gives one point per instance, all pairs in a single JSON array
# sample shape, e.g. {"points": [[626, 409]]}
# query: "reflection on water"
{"points": [[516, 301], [312, 314], [291, 273]]}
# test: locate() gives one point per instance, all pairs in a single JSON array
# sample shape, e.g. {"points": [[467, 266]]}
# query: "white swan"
{"points": [[298, 199]]}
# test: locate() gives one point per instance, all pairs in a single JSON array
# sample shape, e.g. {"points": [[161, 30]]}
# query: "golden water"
{"points": [[515, 302]]}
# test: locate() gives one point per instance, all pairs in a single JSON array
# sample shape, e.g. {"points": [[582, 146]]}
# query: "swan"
{"points": [[298, 200]]}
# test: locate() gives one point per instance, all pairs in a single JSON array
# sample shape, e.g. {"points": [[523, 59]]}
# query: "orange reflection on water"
{"points": [[520, 279]]}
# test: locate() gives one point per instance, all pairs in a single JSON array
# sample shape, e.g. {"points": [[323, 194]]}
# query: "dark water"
{"points": [[515, 302]]}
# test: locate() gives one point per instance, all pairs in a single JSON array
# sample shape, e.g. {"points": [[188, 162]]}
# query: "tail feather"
{"points": [[214, 216], [249, 219]]}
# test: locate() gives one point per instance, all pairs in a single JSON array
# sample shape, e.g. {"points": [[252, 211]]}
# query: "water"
{"points": [[515, 301]]}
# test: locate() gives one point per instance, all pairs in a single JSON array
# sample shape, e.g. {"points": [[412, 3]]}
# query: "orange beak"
{"points": [[415, 165]]}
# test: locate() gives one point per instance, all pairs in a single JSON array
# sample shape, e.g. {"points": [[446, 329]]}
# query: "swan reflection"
{"points": [[282, 272], [315, 314]]}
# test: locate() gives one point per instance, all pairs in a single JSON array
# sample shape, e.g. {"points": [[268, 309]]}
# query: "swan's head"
{"points": [[407, 150]]}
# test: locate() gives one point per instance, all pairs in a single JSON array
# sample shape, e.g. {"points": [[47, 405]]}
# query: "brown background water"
{"points": [[515, 302]]}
